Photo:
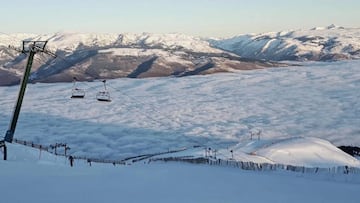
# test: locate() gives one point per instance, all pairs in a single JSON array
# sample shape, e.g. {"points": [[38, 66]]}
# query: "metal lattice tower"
{"points": [[30, 47]]}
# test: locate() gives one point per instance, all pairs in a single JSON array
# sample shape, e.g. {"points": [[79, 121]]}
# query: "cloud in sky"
{"points": [[194, 17]]}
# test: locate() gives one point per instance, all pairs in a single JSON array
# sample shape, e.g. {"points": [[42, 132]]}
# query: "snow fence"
{"points": [[202, 160], [261, 166]]}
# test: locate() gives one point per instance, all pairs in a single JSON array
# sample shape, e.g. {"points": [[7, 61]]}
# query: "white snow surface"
{"points": [[318, 100], [29, 176], [175, 57], [298, 151]]}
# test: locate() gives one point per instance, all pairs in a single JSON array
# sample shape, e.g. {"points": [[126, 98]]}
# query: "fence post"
{"points": [[40, 152], [3, 145], [5, 152]]}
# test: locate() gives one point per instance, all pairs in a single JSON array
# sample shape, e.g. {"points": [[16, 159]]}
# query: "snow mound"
{"points": [[300, 151]]}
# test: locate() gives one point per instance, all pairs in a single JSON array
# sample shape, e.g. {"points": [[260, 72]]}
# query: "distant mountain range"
{"points": [[317, 44], [100, 56]]}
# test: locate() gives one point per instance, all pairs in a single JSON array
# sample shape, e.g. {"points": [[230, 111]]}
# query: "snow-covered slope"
{"points": [[298, 151], [28, 177], [321, 43], [94, 56]]}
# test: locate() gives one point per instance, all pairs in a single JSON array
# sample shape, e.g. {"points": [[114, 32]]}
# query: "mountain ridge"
{"points": [[91, 56], [106, 56], [317, 44]]}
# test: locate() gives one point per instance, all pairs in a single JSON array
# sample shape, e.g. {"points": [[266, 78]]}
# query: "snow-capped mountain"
{"points": [[95, 56], [99, 56], [320, 43]]}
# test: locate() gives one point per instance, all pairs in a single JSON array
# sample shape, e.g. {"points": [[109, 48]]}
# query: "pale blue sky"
{"points": [[217, 18]]}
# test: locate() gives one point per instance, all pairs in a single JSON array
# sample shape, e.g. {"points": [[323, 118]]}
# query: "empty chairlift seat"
{"points": [[104, 95], [77, 93]]}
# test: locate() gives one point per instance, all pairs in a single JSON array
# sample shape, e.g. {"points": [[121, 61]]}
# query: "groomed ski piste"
{"points": [[303, 113], [29, 176]]}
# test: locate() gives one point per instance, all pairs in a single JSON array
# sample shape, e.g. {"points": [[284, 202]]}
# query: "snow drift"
{"points": [[299, 151]]}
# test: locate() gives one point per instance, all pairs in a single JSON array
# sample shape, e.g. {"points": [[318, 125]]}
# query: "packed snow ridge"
{"points": [[320, 43]]}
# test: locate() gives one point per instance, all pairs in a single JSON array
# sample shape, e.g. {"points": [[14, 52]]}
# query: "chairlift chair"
{"points": [[77, 93], [103, 96]]}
